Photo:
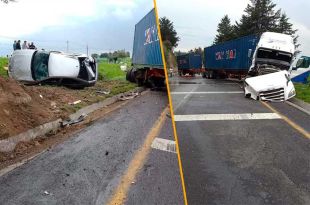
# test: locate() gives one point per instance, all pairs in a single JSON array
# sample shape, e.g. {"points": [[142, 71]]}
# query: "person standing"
{"points": [[32, 46], [18, 47], [25, 45], [14, 45]]}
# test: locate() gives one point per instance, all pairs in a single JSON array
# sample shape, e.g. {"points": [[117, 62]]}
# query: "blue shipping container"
{"points": [[146, 47], [231, 55], [189, 61]]}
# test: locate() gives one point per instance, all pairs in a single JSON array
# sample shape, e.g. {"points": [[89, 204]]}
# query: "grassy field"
{"points": [[3, 63], [303, 91], [110, 71]]}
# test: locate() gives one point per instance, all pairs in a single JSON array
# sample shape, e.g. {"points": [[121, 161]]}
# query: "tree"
{"points": [[225, 31], [198, 50], [94, 55], [168, 34], [178, 53], [104, 55], [260, 16]]}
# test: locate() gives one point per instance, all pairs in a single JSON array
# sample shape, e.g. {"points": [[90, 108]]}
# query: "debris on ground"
{"points": [[103, 92], [47, 193], [128, 96], [75, 102], [71, 122]]}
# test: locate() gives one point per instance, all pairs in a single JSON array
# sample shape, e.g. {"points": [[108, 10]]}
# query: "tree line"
{"points": [[259, 16], [112, 55]]}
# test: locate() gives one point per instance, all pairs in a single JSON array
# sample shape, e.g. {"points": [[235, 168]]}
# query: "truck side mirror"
{"points": [[249, 53]]}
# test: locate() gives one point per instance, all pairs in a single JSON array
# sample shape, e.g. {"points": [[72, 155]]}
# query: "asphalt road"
{"points": [[235, 150], [88, 168]]}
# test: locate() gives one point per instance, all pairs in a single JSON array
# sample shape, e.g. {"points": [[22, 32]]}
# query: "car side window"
{"points": [[39, 65]]}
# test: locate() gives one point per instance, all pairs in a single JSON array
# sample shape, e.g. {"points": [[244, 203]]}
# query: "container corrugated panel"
{"points": [[189, 61], [231, 55], [146, 47]]}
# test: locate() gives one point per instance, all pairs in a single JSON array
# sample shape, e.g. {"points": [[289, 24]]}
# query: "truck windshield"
{"points": [[274, 55], [39, 65]]}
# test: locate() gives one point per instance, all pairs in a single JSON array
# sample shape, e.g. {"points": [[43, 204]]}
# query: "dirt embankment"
{"points": [[25, 107]]}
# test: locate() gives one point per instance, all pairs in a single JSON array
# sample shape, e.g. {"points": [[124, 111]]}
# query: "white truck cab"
{"points": [[269, 77]]}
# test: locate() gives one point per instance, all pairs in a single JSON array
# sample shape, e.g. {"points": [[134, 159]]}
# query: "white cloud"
{"points": [[26, 17]]}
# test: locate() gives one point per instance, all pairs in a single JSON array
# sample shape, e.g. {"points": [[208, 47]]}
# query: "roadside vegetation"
{"points": [[303, 91], [112, 71], [170, 40], [3, 63]]}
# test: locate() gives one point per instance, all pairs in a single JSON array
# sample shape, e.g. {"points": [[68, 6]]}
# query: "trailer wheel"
{"points": [[132, 75], [214, 75], [128, 75]]}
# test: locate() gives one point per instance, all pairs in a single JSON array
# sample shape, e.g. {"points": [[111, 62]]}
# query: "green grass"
{"points": [[3, 63], [122, 87], [303, 91], [110, 71]]}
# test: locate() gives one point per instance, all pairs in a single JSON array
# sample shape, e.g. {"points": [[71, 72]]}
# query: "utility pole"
{"points": [[67, 46], [87, 49]]}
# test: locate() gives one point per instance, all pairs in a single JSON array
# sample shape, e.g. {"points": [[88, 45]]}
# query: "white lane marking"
{"points": [[175, 108], [164, 145], [208, 92], [244, 116]]}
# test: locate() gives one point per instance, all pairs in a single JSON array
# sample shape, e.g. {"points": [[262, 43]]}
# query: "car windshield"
{"points": [[39, 65], [274, 55]]}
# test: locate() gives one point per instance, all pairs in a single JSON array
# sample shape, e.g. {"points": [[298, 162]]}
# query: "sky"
{"points": [[103, 25], [196, 20]]}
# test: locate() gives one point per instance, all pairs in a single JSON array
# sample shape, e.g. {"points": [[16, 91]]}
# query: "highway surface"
{"points": [[239, 151], [127, 157]]}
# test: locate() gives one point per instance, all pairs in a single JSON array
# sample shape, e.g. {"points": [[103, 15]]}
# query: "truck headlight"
{"points": [[292, 93]]}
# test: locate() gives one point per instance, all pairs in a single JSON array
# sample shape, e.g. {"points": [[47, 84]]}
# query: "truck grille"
{"points": [[272, 95], [263, 71]]}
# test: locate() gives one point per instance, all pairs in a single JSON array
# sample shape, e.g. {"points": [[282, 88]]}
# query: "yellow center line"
{"points": [[288, 121], [137, 162], [171, 107]]}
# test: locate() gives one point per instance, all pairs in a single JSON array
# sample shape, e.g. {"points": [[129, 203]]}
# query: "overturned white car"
{"points": [[34, 66], [268, 77]]}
